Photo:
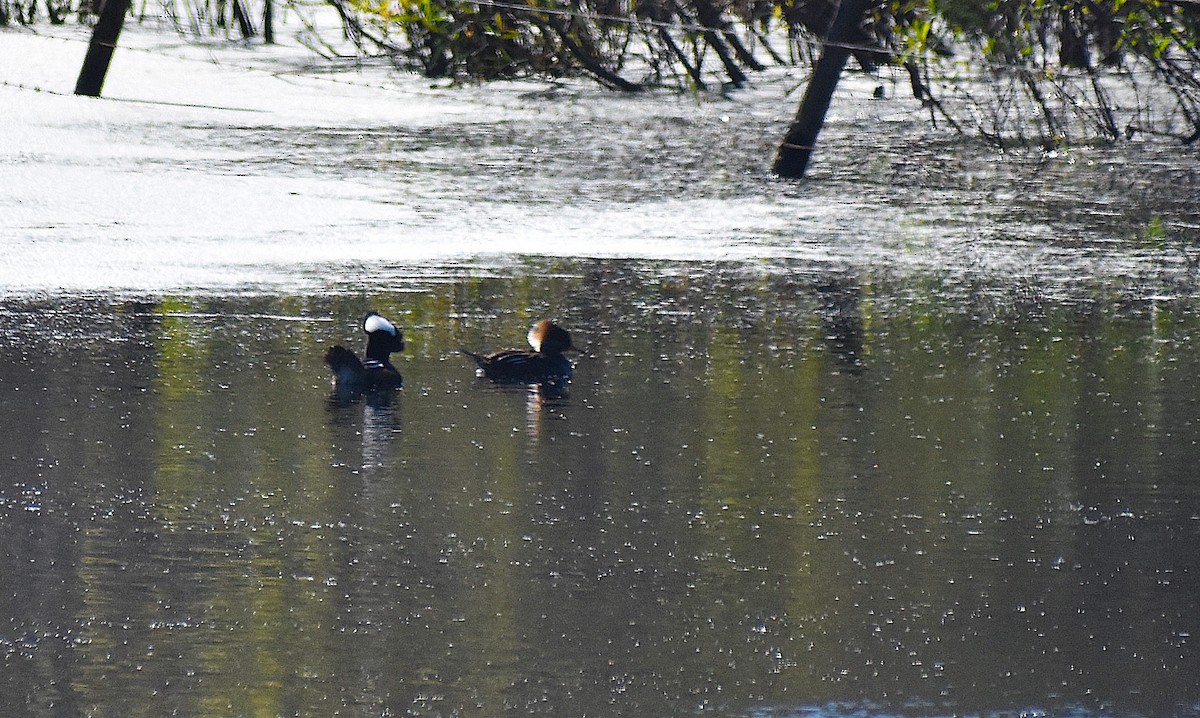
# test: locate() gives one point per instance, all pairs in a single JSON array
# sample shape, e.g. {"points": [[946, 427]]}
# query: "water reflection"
{"points": [[842, 320], [375, 420], [342, 396], [778, 494]]}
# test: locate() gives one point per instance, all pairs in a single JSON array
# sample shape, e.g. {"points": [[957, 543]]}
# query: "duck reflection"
{"points": [[542, 400], [343, 396], [377, 423]]}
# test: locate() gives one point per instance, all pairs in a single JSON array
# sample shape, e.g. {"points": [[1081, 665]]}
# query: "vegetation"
{"points": [[1007, 69], [1102, 66], [1055, 68]]}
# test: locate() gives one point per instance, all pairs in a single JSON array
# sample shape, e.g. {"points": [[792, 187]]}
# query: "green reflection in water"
{"points": [[766, 493]]}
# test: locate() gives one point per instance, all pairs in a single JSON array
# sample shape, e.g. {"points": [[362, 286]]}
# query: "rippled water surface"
{"points": [[917, 436]]}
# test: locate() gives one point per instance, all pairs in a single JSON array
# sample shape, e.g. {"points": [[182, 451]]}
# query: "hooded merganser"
{"points": [[545, 364], [375, 371]]}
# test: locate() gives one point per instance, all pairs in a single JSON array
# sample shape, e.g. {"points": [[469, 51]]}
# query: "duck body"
{"points": [[374, 371], [522, 366], [543, 364]]}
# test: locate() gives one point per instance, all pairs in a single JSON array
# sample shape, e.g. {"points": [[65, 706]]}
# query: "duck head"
{"points": [[549, 338], [383, 337]]}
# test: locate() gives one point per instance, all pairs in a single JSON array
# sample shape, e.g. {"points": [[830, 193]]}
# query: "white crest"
{"points": [[377, 323]]}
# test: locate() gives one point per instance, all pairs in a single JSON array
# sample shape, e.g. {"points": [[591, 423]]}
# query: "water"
{"points": [[802, 502], [915, 437]]}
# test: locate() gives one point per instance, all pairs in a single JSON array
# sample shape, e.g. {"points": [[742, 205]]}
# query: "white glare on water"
{"points": [[227, 168]]}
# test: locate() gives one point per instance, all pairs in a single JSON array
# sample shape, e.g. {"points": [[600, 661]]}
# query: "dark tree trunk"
{"points": [[797, 146], [692, 70], [245, 26], [100, 49], [1107, 32], [268, 23], [709, 16], [585, 58], [716, 42], [1072, 41], [243, 20]]}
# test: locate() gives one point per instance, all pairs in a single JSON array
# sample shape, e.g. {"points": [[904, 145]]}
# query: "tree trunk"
{"points": [[797, 146], [268, 23], [243, 20], [585, 58], [717, 43], [693, 71], [1072, 41], [709, 16], [100, 49]]}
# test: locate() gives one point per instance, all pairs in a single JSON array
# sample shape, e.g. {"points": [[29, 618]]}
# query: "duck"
{"points": [[544, 364], [374, 371]]}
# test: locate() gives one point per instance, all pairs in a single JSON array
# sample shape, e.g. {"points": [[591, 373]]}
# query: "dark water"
{"points": [[793, 492]]}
